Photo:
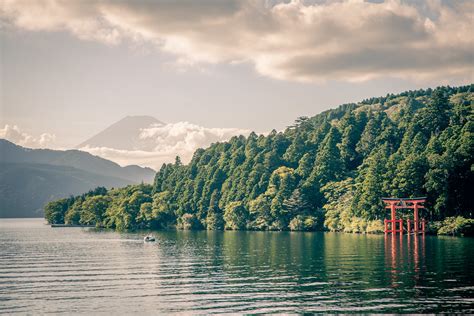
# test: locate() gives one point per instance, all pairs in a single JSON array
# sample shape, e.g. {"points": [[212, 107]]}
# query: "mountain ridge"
{"points": [[10, 152], [29, 178]]}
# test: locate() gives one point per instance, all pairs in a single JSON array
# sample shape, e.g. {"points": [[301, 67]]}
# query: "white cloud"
{"points": [[159, 143], [297, 40], [14, 134], [165, 142], [152, 159]]}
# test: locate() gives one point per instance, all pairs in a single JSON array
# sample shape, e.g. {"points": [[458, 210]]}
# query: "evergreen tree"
{"points": [[435, 117], [327, 167], [215, 220], [235, 216], [367, 201]]}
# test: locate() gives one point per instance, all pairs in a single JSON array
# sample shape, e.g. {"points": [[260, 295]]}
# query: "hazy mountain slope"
{"points": [[11, 153], [123, 134], [31, 177], [25, 188]]}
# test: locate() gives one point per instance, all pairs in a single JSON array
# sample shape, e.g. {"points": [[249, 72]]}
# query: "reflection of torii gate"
{"points": [[395, 203]]}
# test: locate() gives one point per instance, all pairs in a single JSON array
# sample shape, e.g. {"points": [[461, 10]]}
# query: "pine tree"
{"points": [[435, 117], [215, 220], [367, 202]]}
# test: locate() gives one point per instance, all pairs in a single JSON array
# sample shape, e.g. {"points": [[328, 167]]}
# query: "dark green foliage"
{"points": [[456, 226], [305, 223], [332, 168], [215, 220], [54, 211], [235, 215], [328, 166], [93, 210], [369, 189], [188, 221], [126, 207]]}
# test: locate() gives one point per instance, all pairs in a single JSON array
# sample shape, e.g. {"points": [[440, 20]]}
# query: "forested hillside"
{"points": [[328, 171]]}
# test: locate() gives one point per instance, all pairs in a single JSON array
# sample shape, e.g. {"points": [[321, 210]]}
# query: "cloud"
{"points": [[14, 134], [165, 142], [296, 40], [158, 144]]}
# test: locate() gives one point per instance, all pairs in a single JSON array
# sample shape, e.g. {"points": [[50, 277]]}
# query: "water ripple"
{"points": [[44, 270]]}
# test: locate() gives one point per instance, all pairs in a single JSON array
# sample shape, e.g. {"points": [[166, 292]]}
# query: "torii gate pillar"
{"points": [[393, 221]]}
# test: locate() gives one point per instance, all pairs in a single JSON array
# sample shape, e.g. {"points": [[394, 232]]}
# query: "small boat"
{"points": [[149, 238]]}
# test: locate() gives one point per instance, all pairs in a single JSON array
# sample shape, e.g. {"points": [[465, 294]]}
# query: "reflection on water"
{"points": [[91, 271], [402, 260]]}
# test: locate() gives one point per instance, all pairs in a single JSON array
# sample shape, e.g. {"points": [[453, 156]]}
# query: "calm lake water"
{"points": [[83, 270]]}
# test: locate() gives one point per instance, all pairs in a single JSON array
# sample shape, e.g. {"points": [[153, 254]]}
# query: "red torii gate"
{"points": [[399, 203]]}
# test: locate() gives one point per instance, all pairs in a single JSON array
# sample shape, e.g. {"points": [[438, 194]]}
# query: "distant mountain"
{"points": [[29, 178], [11, 153], [124, 134]]}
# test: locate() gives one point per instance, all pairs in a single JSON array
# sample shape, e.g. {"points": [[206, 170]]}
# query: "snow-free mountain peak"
{"points": [[124, 134]]}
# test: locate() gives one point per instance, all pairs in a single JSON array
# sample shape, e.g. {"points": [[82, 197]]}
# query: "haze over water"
{"points": [[80, 270]]}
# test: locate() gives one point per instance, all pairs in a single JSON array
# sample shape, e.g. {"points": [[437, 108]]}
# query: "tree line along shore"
{"points": [[327, 172]]}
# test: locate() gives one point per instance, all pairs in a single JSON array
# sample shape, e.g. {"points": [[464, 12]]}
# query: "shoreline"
{"points": [[71, 225]]}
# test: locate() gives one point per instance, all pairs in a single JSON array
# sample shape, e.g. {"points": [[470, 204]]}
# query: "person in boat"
{"points": [[149, 237]]}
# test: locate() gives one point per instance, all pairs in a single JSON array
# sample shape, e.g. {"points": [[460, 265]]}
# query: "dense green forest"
{"points": [[324, 172]]}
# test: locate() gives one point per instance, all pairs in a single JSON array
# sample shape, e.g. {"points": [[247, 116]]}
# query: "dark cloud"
{"points": [[288, 40]]}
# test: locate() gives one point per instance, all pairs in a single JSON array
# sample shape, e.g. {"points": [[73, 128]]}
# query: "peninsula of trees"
{"points": [[324, 172]]}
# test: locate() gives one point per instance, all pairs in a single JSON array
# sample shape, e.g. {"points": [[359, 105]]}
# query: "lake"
{"points": [[84, 270]]}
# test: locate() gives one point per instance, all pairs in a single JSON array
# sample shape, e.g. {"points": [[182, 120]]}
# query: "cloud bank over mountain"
{"points": [[309, 41], [162, 143], [14, 134], [153, 145]]}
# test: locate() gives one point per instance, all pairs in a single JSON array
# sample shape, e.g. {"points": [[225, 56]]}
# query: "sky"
{"points": [[71, 68]]}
